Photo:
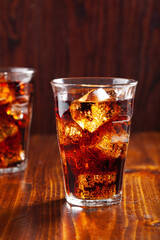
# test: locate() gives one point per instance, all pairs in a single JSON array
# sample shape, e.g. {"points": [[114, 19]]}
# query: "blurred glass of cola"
{"points": [[16, 90]]}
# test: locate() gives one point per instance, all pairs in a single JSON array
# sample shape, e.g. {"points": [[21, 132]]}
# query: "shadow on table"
{"points": [[32, 221], [57, 220]]}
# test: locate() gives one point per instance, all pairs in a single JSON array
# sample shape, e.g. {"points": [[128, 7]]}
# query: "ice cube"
{"points": [[18, 109], [7, 128], [90, 114], [101, 186], [111, 150], [120, 131], [10, 157], [109, 141], [97, 95], [112, 93], [68, 132], [89, 180], [73, 132], [6, 94], [11, 151]]}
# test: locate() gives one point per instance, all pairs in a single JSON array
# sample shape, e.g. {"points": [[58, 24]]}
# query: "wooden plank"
{"points": [[32, 204]]}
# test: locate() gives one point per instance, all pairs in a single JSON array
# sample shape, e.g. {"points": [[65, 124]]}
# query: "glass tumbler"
{"points": [[16, 90], [93, 119]]}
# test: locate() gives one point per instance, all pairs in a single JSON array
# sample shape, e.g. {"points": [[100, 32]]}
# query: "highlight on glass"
{"points": [[93, 118]]}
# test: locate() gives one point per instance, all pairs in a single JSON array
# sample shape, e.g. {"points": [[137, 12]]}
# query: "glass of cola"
{"points": [[93, 119], [16, 91]]}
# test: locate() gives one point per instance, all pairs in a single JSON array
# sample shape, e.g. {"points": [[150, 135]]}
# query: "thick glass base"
{"points": [[94, 203], [19, 168]]}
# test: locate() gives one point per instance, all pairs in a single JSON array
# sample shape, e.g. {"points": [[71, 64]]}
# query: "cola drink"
{"points": [[15, 118], [93, 125], [94, 156]]}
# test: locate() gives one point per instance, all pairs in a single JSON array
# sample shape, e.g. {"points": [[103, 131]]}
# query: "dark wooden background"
{"points": [[62, 38]]}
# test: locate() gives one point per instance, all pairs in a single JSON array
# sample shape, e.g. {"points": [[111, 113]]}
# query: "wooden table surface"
{"points": [[32, 204]]}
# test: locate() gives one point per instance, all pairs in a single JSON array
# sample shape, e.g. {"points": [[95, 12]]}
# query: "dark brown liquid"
{"points": [[93, 156], [15, 113]]}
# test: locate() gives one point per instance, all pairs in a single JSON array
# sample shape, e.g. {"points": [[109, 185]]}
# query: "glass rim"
{"points": [[16, 70], [86, 82]]}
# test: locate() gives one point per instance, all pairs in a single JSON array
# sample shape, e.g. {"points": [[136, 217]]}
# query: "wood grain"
{"points": [[32, 204], [85, 38]]}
